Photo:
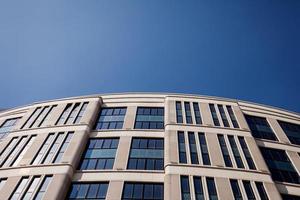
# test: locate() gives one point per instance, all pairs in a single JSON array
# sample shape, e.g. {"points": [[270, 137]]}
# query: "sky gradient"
{"points": [[248, 50]]}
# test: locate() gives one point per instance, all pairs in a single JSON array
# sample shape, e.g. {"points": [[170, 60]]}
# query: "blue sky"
{"points": [[247, 50]]}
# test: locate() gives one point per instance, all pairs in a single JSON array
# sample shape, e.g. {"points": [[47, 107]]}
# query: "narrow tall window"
{"points": [[247, 153], [7, 150], [197, 113], [23, 151], [223, 115], [188, 113], [236, 189], [261, 191], [100, 154], [185, 188], [50, 154], [46, 116], [249, 190], [61, 120], [42, 190], [198, 188], [212, 192], [204, 149], [224, 150], [81, 112], [292, 131], [149, 118], [232, 117], [18, 191], [32, 118], [42, 151], [37, 122], [141, 191], [111, 118], [96, 190], [63, 148], [2, 182], [7, 126], [214, 114], [72, 115], [31, 188], [181, 147], [193, 148], [146, 154], [179, 112], [235, 152]]}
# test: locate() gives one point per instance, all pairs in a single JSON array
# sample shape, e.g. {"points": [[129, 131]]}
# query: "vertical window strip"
{"points": [[212, 192], [73, 113], [50, 154], [236, 189], [2, 182], [32, 118], [199, 194], [235, 152], [185, 188], [47, 116], [44, 148], [63, 147], [225, 151], [179, 112], [261, 191], [11, 145], [19, 189], [204, 149], [28, 193], [81, 112], [232, 117], [40, 117], [188, 113], [193, 148], [23, 151], [14, 152], [214, 114], [247, 153], [181, 147], [42, 190], [197, 113], [249, 190], [223, 115], [62, 118]]}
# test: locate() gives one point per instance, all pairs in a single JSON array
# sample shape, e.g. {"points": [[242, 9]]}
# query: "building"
{"points": [[149, 146]]}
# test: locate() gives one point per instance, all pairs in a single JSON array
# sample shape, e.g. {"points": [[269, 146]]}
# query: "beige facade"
{"points": [[18, 162]]}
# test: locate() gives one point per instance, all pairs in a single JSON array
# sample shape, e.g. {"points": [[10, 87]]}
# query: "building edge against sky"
{"points": [[149, 146]]}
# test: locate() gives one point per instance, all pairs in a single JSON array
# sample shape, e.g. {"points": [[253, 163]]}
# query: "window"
{"points": [[280, 165], [17, 193], [223, 115], [249, 190], [185, 188], [23, 151], [39, 116], [179, 112], [7, 126], [42, 190], [111, 118], [100, 154], [236, 189], [88, 191], [141, 191], [212, 192], [197, 113], [261, 191], [289, 197], [204, 149], [81, 112], [198, 188], [61, 120], [232, 117], [181, 147], [292, 131], [72, 113], [247, 153], [2, 182], [146, 154], [214, 114], [53, 148], [7, 150], [149, 118], [260, 128], [236, 152], [193, 148], [188, 113], [224, 150]]}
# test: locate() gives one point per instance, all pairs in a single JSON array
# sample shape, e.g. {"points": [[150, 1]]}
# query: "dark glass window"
{"points": [[223, 115], [249, 190], [188, 113], [236, 189], [261, 191], [181, 147], [280, 165], [236, 152], [260, 128], [197, 113], [7, 126], [214, 114], [88, 191], [100, 154], [146, 154], [224, 150], [141, 191], [289, 197], [198, 188], [149, 118], [211, 187], [292, 131], [204, 149], [246, 153], [179, 112], [111, 118], [185, 188], [232, 117], [193, 148]]}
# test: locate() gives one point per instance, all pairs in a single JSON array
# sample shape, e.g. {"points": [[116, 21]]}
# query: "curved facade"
{"points": [[149, 146]]}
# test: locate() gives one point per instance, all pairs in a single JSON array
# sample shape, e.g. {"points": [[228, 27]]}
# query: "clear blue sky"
{"points": [[242, 49]]}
